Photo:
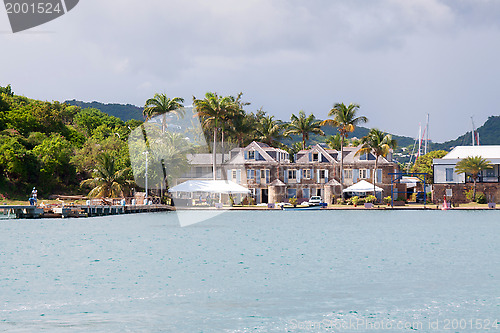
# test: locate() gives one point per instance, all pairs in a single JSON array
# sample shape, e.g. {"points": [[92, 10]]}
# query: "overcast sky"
{"points": [[398, 59]]}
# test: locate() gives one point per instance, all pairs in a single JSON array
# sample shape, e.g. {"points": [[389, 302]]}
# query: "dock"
{"points": [[34, 212]]}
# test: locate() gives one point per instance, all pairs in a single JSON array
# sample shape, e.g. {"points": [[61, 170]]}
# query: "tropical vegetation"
{"points": [[345, 119], [378, 144], [160, 104], [471, 166], [303, 125], [108, 181], [423, 164]]}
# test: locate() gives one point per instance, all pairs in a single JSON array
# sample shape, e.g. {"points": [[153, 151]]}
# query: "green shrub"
{"points": [[481, 198], [354, 200], [361, 201], [388, 199], [469, 193], [340, 201], [293, 201], [371, 199]]}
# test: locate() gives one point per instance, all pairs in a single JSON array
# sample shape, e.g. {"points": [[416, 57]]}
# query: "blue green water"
{"points": [[253, 271]]}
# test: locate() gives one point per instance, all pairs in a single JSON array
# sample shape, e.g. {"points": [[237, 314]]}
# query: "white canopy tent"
{"points": [[362, 187], [210, 186]]}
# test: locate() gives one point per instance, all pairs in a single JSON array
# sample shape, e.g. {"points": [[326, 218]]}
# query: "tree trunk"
{"points": [[303, 141], [163, 122], [375, 177], [214, 163], [474, 192], [342, 167], [222, 144]]}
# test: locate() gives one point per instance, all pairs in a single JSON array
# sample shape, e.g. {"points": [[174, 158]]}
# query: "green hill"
{"points": [[489, 134], [123, 111]]}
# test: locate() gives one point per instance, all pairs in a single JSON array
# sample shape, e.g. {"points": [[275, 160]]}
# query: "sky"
{"points": [[398, 59]]}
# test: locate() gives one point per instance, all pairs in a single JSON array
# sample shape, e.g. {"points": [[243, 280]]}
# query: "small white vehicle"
{"points": [[315, 200]]}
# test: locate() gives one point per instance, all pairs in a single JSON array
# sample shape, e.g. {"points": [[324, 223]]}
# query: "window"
{"points": [[234, 174], [250, 174], [199, 172], [307, 173], [315, 157], [264, 174], [348, 174], [449, 174], [490, 172], [363, 174], [292, 174], [322, 174], [251, 154]]}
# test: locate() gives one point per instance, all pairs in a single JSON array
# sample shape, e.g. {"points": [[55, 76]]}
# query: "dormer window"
{"points": [[251, 154], [315, 157]]}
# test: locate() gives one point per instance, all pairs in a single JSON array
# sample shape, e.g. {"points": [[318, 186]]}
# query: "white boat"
{"points": [[309, 207]]}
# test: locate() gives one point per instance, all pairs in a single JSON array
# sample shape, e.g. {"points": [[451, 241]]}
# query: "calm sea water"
{"points": [[364, 271]]}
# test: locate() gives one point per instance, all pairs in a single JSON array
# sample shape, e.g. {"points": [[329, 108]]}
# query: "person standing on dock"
{"points": [[34, 195]]}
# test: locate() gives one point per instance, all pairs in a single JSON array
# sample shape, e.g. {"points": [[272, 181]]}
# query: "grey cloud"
{"points": [[399, 59]]}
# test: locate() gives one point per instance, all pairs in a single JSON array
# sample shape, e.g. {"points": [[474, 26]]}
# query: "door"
{"points": [[265, 196]]}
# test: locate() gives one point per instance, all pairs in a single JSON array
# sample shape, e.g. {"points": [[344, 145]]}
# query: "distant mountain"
{"points": [[489, 134], [123, 111]]}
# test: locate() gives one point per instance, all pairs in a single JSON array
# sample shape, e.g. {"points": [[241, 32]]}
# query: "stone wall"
{"points": [[491, 190]]}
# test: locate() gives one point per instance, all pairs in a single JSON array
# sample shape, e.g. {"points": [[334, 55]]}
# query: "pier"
{"points": [[34, 212]]}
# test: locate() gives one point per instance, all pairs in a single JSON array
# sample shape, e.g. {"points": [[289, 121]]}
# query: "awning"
{"points": [[210, 186], [409, 181], [362, 187]]}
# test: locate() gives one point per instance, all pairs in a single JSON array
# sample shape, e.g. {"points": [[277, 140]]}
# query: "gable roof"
{"points": [[319, 149], [351, 157], [263, 150]]}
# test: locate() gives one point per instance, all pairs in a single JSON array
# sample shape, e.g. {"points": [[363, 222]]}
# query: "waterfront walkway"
{"points": [[29, 212]]}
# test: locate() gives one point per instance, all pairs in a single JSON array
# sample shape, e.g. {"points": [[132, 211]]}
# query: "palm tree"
{"points": [[344, 118], [333, 141], [242, 128], [213, 109], [473, 165], [107, 181], [161, 104], [379, 144], [269, 131], [303, 125]]}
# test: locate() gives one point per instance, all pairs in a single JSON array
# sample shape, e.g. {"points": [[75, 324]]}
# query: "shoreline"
{"points": [[345, 208]]}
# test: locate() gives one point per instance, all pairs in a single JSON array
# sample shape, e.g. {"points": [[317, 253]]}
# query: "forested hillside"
{"points": [[489, 134], [123, 111], [54, 146]]}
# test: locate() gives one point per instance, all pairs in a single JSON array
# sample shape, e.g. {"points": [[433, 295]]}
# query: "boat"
{"points": [[301, 207]]}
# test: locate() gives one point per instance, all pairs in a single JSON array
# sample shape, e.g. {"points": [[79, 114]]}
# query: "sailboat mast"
{"points": [[419, 140], [426, 134], [473, 131]]}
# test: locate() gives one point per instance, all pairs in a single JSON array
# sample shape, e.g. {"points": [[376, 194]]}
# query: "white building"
{"points": [[445, 172]]}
